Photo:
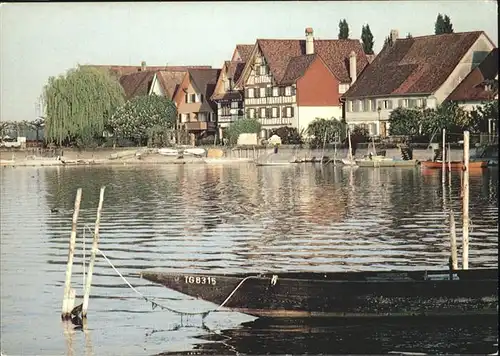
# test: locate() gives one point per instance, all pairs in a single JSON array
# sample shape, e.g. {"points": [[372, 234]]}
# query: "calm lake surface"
{"points": [[226, 219]]}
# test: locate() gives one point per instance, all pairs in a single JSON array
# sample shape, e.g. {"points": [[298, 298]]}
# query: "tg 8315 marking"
{"points": [[200, 280]]}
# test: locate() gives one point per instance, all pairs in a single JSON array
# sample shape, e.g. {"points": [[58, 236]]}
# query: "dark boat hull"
{"points": [[353, 294]]}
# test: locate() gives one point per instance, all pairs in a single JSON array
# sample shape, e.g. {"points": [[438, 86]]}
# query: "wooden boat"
{"points": [[454, 164], [168, 151], [278, 163], [226, 160], [194, 151], [386, 162], [343, 294]]}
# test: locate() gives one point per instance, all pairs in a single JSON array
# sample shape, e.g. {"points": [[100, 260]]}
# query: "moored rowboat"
{"points": [[454, 164], [343, 294]]}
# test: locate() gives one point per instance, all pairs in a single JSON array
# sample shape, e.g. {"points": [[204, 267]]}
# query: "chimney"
{"points": [[394, 35], [143, 66], [309, 41], [352, 67]]}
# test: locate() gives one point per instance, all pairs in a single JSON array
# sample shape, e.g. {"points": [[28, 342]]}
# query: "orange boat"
{"points": [[454, 164]]}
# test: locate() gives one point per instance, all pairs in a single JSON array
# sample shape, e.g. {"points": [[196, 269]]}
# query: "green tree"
{"points": [[79, 105], [409, 35], [448, 26], [443, 25], [367, 39], [343, 30], [289, 135], [447, 116], [242, 126], [143, 117], [479, 117], [405, 122], [334, 130]]}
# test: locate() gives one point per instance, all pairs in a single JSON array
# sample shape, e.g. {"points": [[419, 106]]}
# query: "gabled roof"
{"points": [[205, 80], [245, 51], [124, 70], [297, 68], [136, 84], [472, 88], [417, 65], [335, 54], [170, 81]]}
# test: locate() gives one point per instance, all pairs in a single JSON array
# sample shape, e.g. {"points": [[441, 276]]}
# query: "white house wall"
{"points": [[307, 114], [474, 56]]}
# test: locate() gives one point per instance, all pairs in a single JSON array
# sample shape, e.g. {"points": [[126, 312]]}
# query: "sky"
{"points": [[39, 40]]}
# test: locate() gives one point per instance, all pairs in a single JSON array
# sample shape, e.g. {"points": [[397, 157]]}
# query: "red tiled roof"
{"points": [[123, 70], [413, 65], [170, 81], [205, 80], [335, 54], [228, 96], [472, 88], [245, 51], [136, 84], [297, 68]]}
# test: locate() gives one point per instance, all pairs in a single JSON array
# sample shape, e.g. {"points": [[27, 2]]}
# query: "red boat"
{"points": [[454, 164]]}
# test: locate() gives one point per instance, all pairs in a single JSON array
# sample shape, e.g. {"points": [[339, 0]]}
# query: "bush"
{"points": [[242, 126], [289, 135]]}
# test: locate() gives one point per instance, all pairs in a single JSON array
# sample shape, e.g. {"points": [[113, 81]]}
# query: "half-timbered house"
{"points": [[292, 82], [228, 98]]}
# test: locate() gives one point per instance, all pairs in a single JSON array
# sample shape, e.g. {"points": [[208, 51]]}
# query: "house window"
{"points": [[193, 98], [274, 112], [421, 103], [348, 105], [251, 113], [262, 92], [184, 117], [289, 111], [187, 98], [374, 106], [263, 112], [219, 105], [385, 104], [366, 105], [412, 103], [263, 70], [235, 104], [288, 91], [356, 106], [276, 91]]}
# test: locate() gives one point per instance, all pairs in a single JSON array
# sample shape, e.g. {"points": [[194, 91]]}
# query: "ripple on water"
{"points": [[220, 219]]}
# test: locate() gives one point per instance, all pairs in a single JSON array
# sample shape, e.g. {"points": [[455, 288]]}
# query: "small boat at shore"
{"points": [[454, 164], [382, 294], [168, 151], [386, 162]]}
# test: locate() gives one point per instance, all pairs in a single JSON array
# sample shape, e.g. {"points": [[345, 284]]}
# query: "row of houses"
{"points": [[292, 82]]}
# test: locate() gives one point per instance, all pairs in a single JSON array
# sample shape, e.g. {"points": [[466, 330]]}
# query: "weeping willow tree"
{"points": [[80, 104]]}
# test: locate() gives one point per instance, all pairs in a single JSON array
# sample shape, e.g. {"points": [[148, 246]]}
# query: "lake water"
{"points": [[226, 219]]}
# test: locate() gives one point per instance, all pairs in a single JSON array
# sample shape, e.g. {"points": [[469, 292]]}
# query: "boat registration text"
{"points": [[200, 280]]}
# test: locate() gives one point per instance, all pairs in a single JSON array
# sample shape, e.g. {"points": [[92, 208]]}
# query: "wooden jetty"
{"points": [[343, 294]]}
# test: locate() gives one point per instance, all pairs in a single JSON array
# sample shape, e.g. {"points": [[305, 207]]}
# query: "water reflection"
{"points": [[337, 337], [217, 218]]}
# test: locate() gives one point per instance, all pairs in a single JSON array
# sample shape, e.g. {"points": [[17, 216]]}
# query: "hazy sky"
{"points": [[46, 39]]}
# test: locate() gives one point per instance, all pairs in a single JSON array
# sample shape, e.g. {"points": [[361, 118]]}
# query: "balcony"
{"points": [[199, 125]]}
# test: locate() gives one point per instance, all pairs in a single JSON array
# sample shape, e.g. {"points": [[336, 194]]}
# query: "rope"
{"points": [[155, 304]]}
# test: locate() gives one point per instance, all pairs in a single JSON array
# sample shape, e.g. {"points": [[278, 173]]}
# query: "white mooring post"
{"points": [[465, 204], [453, 242], [66, 305], [95, 242], [443, 162]]}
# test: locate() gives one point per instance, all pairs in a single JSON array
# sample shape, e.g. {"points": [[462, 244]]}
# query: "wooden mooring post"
{"points": [[465, 204], [443, 162], [69, 294], [453, 241], [95, 242]]}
